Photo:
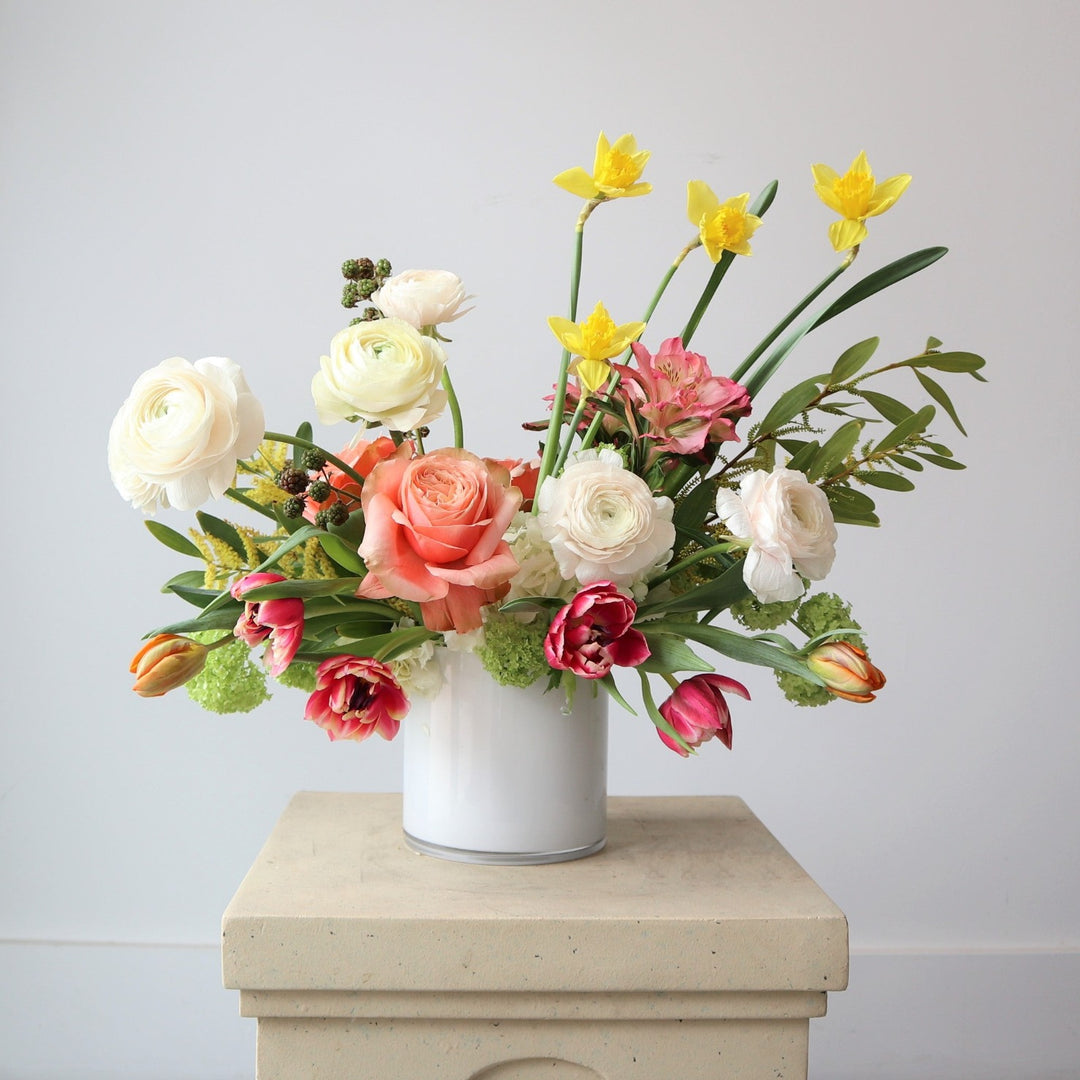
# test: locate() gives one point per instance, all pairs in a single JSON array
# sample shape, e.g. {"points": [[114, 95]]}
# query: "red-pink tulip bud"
{"points": [[846, 671], [165, 662]]}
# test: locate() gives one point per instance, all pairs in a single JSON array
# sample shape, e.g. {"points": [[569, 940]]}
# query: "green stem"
{"points": [[455, 409], [295, 440], [760, 205], [564, 450], [792, 315], [251, 504], [706, 553], [558, 404]]}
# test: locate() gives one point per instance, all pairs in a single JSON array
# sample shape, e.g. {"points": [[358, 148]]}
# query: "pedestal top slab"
{"points": [[691, 893]]}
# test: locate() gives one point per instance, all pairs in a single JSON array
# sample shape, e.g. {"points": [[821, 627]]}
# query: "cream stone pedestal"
{"points": [[691, 947]]}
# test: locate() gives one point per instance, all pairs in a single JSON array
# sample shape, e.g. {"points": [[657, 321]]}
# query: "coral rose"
{"points": [[362, 456], [434, 534], [356, 696], [594, 632]]}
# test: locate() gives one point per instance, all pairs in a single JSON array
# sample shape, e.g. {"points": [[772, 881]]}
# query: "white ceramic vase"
{"points": [[497, 774]]}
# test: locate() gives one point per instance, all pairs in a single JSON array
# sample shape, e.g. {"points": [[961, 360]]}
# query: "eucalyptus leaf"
{"points": [[890, 481], [948, 361], [907, 427], [790, 404], [172, 539], [835, 451], [907, 462], [852, 360], [937, 392], [221, 530], [894, 411], [941, 462]]}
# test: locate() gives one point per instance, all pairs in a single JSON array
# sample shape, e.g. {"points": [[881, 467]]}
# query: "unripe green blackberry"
{"points": [[292, 508], [294, 481], [319, 491], [366, 288], [337, 514], [322, 519], [350, 295], [382, 268], [350, 269], [370, 314], [313, 458]]}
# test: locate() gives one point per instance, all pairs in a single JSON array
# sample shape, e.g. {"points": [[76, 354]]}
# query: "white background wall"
{"points": [[184, 179]]}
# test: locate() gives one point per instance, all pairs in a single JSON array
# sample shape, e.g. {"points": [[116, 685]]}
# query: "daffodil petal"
{"points": [[603, 148], [624, 193], [861, 164], [624, 335], [700, 200], [846, 234], [824, 176], [578, 182], [886, 193], [568, 333], [592, 373]]}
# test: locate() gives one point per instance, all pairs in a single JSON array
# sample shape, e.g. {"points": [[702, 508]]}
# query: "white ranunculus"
{"points": [[176, 439], [422, 297], [384, 371], [790, 528], [602, 521], [418, 672]]}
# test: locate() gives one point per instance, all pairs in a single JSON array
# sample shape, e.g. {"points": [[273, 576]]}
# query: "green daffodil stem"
{"points": [[558, 405], [741, 371], [564, 450], [295, 440], [665, 281], [455, 409]]}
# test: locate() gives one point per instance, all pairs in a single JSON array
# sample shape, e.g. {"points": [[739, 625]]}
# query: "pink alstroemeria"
{"points": [[698, 712], [356, 696], [594, 632], [280, 621], [685, 404]]}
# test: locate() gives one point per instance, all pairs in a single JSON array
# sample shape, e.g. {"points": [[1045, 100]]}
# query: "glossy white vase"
{"points": [[497, 774]]}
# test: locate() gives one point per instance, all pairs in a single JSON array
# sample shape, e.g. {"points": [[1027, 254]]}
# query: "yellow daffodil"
{"points": [[594, 342], [724, 226], [616, 171], [855, 197]]}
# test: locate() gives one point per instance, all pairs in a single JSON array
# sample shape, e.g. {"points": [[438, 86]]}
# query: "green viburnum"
{"points": [[818, 614], [755, 615], [231, 681], [513, 651], [300, 675]]}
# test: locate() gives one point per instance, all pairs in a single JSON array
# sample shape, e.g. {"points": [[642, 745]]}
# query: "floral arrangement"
{"points": [[669, 509]]}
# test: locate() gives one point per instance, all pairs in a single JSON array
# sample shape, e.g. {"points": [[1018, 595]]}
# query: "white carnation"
{"points": [[177, 438], [539, 573], [790, 527], [383, 371], [422, 297], [602, 521]]}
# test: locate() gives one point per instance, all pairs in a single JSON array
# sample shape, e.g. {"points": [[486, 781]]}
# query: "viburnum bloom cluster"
{"points": [[668, 508]]}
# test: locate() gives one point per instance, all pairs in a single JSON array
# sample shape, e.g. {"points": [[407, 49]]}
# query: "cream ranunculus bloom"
{"points": [[603, 522], [790, 528], [384, 371], [177, 438], [422, 297]]}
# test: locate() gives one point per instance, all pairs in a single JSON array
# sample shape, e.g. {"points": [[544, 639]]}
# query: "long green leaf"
{"points": [[910, 425], [937, 392], [948, 361], [304, 589], [894, 411], [790, 404], [657, 717], [172, 539], [737, 647], [889, 481], [836, 449], [721, 592], [878, 280], [342, 553], [670, 654]]}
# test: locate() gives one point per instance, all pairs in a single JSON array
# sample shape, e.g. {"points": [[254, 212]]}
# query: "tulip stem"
{"points": [[295, 440], [705, 553]]}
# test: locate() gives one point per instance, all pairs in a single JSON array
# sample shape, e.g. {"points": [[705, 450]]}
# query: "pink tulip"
{"points": [[698, 712], [594, 632], [355, 697], [278, 622]]}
